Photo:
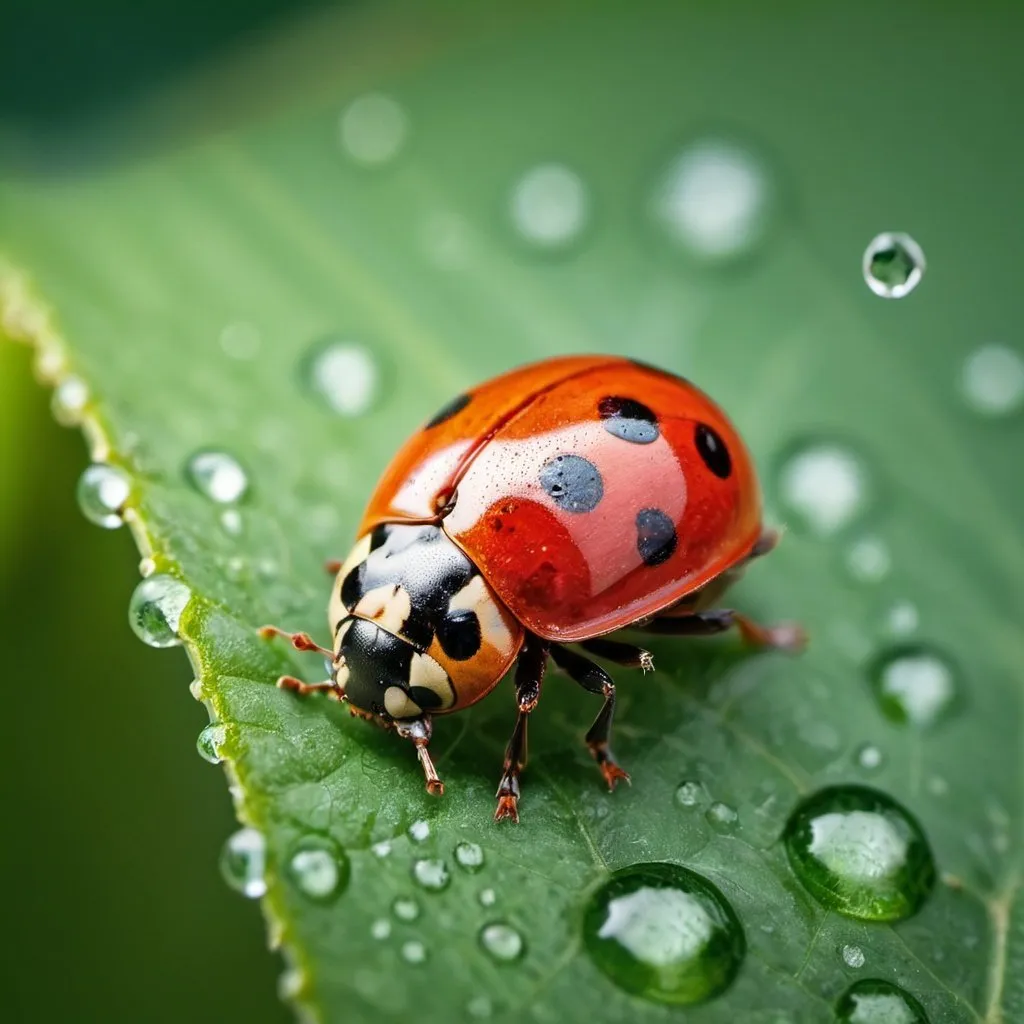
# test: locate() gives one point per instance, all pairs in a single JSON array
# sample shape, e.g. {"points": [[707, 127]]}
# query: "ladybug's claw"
{"points": [[612, 773], [508, 808]]}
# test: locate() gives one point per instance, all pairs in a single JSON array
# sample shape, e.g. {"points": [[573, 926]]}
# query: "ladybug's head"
{"points": [[416, 628]]}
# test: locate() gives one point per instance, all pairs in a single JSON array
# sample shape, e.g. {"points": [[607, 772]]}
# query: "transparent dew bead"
{"points": [[487, 897], [243, 862], [155, 609], [549, 206], [345, 376], [102, 494], [873, 1001], [915, 684], [893, 264], [431, 874], [217, 475], [469, 856], [858, 852], [502, 942], [690, 793], [209, 743], [405, 909], [853, 956], [414, 952], [869, 757], [419, 831], [992, 381], [664, 933], [319, 868], [824, 487]]}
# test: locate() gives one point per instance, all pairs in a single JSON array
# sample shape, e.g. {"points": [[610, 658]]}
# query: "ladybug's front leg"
{"points": [[419, 730], [529, 676]]}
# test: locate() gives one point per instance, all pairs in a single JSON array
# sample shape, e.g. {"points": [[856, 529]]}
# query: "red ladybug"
{"points": [[545, 508]]}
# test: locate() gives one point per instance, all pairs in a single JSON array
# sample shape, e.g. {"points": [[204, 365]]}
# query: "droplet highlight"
{"points": [[469, 856], [878, 1002], [431, 874], [824, 487], [155, 609], [915, 685], [243, 862], [860, 853], [502, 942], [218, 476], [664, 933], [893, 264], [992, 381], [549, 206], [102, 493], [209, 743], [373, 130], [319, 868], [345, 376]]}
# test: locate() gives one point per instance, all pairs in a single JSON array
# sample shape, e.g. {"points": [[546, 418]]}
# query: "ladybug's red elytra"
{"points": [[528, 519]]}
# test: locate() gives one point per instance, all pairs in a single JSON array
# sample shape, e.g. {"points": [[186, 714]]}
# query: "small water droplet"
{"points": [[147, 566], [937, 785], [869, 757], [102, 493], [209, 742], [992, 380], [715, 200], [291, 984], [240, 340], [487, 897], [549, 206], [381, 929], [469, 856], [690, 793], [70, 398], [217, 475], [824, 486], [431, 874], [231, 522], [914, 684], [197, 690], [419, 831], [868, 560], [479, 1006], [405, 909], [664, 933], [853, 956], [155, 609], [414, 952], [243, 862], [902, 618], [502, 941], [381, 849], [344, 375], [373, 129], [874, 1001], [319, 868], [860, 853], [721, 816], [893, 264]]}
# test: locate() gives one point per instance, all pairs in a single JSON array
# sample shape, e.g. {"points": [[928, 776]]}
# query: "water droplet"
{"points": [[502, 941], [902, 618], [217, 475], [209, 742], [291, 984], [878, 1002], [102, 493], [414, 952], [431, 874], [70, 398], [869, 757], [240, 340], [487, 897], [405, 909], [721, 816], [344, 375], [243, 862], [715, 200], [868, 560], [893, 264], [319, 868], [549, 206], [419, 831], [664, 933], [373, 129], [380, 929], [197, 689], [860, 853], [853, 956], [690, 793], [937, 785], [992, 380], [155, 608], [479, 1006], [914, 684], [824, 486], [381, 849], [469, 856]]}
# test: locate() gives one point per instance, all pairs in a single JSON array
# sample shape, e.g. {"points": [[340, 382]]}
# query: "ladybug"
{"points": [[528, 519]]}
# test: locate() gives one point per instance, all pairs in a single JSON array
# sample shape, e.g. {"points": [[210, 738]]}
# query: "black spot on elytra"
{"points": [[655, 536], [628, 419], [352, 587], [446, 412], [572, 482], [376, 659], [425, 697], [711, 448], [459, 634]]}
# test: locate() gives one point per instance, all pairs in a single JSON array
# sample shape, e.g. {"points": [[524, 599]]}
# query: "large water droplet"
{"points": [[243, 862], [102, 493], [549, 206], [664, 933], [715, 200], [824, 486], [344, 375], [431, 874], [154, 611], [874, 1001], [319, 868], [893, 264], [373, 129], [860, 853], [70, 398], [914, 684], [209, 743], [992, 380], [217, 475], [502, 941]]}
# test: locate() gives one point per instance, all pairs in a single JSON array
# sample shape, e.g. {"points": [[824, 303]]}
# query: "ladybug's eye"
{"points": [[711, 448]]}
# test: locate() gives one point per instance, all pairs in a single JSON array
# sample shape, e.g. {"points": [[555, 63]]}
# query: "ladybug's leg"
{"points": [[594, 679], [784, 637], [300, 641], [628, 655], [331, 688], [419, 731], [529, 675]]}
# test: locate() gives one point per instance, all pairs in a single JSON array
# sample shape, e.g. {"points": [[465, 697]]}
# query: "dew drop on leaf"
{"points": [[209, 742], [381, 849], [231, 522], [381, 929], [218, 476], [243, 862], [469, 856], [878, 1002], [914, 684], [868, 560], [487, 897], [319, 868], [721, 816], [868, 756], [419, 831], [502, 941], [373, 129], [893, 264], [431, 874], [154, 611], [414, 952], [102, 492], [824, 487], [549, 206], [860, 853], [70, 398], [405, 909], [689, 793], [664, 933], [344, 375], [902, 618], [853, 956], [992, 381]]}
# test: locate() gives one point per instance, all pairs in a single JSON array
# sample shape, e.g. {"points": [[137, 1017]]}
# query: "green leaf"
{"points": [[189, 290]]}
